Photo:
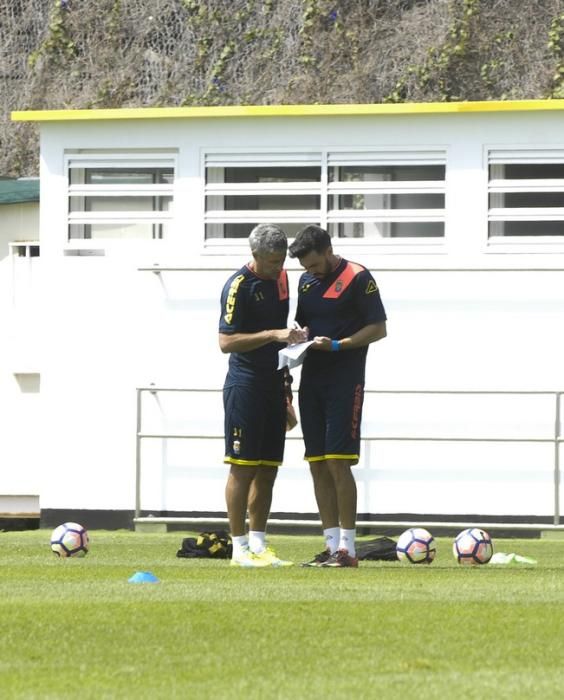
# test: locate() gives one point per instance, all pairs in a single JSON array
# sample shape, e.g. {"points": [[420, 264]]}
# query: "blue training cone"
{"points": [[143, 577]]}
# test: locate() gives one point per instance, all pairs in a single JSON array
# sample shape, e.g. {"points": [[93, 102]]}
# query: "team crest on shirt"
{"points": [[305, 288], [371, 287]]}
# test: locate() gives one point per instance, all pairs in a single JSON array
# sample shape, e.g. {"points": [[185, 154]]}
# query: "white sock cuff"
{"points": [[332, 535], [347, 541], [257, 541], [239, 543]]}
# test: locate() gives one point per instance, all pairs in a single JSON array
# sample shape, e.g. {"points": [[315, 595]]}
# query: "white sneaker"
{"points": [[248, 560]]}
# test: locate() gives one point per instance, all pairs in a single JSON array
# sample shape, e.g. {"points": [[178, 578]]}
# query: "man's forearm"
{"points": [[365, 336]]}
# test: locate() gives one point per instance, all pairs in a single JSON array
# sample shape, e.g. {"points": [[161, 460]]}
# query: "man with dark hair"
{"points": [[252, 328], [339, 303]]}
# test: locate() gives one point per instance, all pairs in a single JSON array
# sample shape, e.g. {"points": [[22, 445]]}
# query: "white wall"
{"points": [[18, 222], [488, 334], [20, 459], [109, 327]]}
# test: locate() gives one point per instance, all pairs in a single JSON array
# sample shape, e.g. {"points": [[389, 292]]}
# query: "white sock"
{"points": [[331, 535], [346, 541], [239, 544], [257, 541]]}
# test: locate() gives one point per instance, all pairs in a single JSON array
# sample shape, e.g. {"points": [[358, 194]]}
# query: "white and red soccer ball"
{"points": [[472, 547], [70, 540], [416, 546]]}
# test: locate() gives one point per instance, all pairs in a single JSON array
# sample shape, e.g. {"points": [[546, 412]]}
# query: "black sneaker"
{"points": [[319, 559]]}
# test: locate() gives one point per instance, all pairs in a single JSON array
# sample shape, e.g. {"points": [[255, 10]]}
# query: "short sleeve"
{"points": [[367, 298], [233, 303]]}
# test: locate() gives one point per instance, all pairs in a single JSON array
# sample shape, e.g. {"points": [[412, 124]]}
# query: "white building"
{"points": [[19, 382], [458, 209]]}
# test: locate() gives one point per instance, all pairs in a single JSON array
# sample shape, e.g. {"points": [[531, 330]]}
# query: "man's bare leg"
{"points": [[237, 497], [260, 497], [325, 494], [345, 489]]}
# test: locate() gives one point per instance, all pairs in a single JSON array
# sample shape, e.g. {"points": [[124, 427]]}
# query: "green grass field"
{"points": [[78, 629]]}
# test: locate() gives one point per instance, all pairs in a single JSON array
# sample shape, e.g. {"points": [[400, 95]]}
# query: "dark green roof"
{"points": [[17, 191]]}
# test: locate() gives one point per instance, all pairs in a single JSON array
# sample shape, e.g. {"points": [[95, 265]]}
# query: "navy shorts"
{"points": [[330, 414], [255, 423]]}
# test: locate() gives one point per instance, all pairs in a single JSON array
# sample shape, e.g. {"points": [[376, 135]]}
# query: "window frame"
{"points": [[519, 154], [326, 157], [109, 159]]}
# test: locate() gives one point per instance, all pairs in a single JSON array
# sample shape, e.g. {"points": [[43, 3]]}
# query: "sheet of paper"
{"points": [[293, 355]]}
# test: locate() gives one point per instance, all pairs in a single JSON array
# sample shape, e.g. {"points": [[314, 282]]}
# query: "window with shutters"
{"points": [[373, 195], [384, 195], [526, 195], [119, 195]]}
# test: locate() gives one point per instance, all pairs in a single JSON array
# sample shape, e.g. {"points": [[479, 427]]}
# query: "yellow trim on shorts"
{"points": [[322, 458], [251, 462]]}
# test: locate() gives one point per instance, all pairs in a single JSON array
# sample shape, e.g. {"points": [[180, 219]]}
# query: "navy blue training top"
{"points": [[337, 306], [250, 304]]}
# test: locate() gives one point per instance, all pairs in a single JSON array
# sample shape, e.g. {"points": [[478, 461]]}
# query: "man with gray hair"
{"points": [[252, 329]]}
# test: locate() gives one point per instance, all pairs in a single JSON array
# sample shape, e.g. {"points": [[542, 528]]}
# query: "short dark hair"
{"points": [[310, 238]]}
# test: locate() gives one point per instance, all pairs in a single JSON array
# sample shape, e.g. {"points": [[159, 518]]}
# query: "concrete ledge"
{"points": [[19, 512], [12, 504]]}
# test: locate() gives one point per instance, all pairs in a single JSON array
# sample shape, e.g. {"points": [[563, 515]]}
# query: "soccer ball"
{"points": [[416, 546], [70, 540], [472, 547]]}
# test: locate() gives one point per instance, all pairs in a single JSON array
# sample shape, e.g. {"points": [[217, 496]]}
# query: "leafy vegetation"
{"points": [[114, 53]]}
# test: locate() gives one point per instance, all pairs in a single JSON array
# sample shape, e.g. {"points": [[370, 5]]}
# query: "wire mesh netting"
{"points": [[111, 53]]}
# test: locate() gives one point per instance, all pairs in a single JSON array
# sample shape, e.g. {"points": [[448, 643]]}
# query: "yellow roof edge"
{"points": [[285, 110]]}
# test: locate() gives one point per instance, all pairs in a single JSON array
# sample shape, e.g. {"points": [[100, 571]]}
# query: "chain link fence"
{"points": [[57, 54]]}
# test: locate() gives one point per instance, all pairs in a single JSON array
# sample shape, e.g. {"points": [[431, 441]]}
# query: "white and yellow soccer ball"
{"points": [[70, 540], [416, 546], [472, 547]]}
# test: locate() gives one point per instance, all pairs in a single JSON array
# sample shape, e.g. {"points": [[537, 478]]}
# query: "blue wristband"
{"points": [[335, 346]]}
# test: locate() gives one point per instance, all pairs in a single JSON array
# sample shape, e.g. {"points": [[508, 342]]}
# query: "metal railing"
{"points": [[555, 439]]}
